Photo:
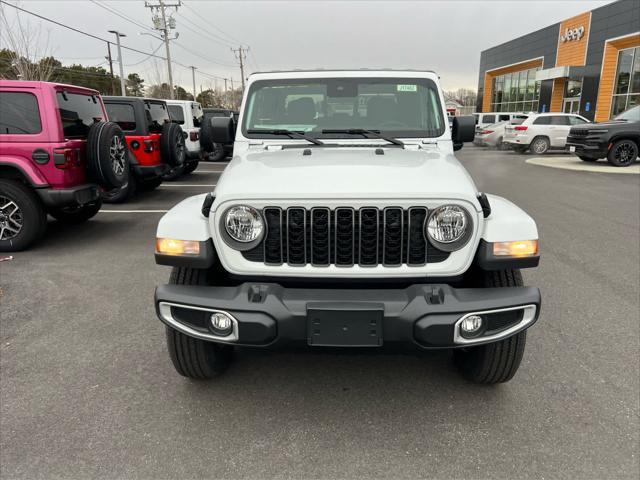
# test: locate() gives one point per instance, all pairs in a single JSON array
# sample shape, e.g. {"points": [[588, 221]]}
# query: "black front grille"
{"points": [[578, 133], [345, 237]]}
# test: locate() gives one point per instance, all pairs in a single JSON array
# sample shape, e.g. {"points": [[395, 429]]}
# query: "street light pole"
{"points": [[122, 83]]}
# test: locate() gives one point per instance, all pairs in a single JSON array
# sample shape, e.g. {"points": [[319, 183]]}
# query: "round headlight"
{"points": [[243, 224], [449, 227]]}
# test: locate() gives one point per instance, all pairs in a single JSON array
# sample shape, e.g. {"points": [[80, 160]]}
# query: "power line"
{"points": [[75, 29], [233, 39], [201, 57], [121, 15], [146, 58], [204, 33]]}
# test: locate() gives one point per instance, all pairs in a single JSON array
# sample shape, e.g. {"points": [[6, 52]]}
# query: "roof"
{"points": [[328, 70], [40, 84]]}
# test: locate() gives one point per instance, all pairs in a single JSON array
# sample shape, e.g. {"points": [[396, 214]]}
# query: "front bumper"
{"points": [[269, 315], [593, 150], [67, 197]]}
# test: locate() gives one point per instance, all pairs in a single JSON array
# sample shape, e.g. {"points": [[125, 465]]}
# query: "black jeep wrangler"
{"points": [[617, 139]]}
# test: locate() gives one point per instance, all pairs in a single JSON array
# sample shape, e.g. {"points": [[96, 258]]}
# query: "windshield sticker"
{"points": [[407, 88]]}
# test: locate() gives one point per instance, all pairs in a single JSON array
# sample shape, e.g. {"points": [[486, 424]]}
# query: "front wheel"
{"points": [[623, 153], [499, 361], [22, 217], [191, 357], [77, 214]]}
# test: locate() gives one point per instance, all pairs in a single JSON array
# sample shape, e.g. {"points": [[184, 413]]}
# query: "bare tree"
{"points": [[28, 51]]}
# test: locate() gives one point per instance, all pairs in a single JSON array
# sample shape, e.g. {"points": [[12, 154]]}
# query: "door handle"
{"points": [[40, 156]]}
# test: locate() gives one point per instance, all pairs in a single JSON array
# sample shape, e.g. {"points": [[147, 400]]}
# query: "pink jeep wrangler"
{"points": [[56, 153]]}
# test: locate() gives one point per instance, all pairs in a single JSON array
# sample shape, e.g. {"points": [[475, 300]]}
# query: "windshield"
{"points": [[631, 115], [397, 107]]}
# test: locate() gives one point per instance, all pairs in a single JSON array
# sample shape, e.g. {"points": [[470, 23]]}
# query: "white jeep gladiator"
{"points": [[345, 220]]}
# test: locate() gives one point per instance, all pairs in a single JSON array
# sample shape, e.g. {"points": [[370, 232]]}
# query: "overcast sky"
{"points": [[445, 36]]}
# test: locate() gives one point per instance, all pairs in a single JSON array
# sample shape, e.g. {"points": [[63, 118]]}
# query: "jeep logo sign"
{"points": [[572, 34]]}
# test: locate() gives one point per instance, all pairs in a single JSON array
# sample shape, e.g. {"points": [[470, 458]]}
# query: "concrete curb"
{"points": [[574, 163]]}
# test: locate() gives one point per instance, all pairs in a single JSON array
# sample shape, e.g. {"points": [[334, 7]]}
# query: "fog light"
{"points": [[221, 324], [471, 326]]}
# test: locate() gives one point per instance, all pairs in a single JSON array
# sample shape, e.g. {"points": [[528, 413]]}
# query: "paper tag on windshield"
{"points": [[407, 88]]}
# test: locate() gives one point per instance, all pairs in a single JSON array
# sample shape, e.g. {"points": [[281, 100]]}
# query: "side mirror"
{"points": [[221, 130], [464, 130]]}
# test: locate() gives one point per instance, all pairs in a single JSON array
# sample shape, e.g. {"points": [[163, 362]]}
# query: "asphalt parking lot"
{"points": [[88, 390]]}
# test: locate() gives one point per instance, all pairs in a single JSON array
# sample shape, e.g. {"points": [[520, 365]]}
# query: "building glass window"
{"points": [[573, 89], [516, 92], [627, 87]]}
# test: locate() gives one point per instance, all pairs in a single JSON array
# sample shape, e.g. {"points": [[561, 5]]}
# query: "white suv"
{"points": [[541, 131], [188, 115], [345, 220]]}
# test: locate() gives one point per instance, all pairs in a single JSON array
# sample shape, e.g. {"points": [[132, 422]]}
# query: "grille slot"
{"points": [[320, 236], [296, 236], [392, 240], [273, 240], [345, 237]]}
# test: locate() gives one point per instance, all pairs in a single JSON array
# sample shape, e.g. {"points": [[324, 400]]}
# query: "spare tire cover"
{"points": [[107, 155], [172, 147], [206, 138]]}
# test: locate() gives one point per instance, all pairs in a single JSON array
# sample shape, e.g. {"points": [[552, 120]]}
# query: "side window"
{"points": [[157, 116], [123, 114], [562, 120], [489, 119], [20, 113], [196, 111], [504, 118], [176, 113], [543, 120], [78, 112], [576, 121]]}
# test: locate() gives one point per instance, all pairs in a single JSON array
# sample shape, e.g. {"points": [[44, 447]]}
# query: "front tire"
{"points": [[191, 357], [495, 362], [623, 153], [23, 219]]}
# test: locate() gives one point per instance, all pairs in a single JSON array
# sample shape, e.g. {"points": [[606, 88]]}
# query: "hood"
{"points": [[345, 172]]}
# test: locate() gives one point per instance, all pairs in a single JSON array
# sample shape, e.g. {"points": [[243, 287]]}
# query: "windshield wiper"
{"points": [[282, 131], [364, 132]]}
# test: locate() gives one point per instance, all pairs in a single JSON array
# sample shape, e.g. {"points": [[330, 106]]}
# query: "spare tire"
{"points": [[206, 135], [107, 155], [172, 148]]}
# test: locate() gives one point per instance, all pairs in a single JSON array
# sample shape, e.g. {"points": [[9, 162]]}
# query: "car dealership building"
{"points": [[587, 64]]}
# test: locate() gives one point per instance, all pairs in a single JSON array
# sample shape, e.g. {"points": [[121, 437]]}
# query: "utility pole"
{"points": [[113, 85], [162, 24], [241, 55], [193, 77], [233, 95], [123, 89]]}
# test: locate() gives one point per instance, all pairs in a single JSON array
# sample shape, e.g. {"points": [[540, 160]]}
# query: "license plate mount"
{"points": [[345, 325]]}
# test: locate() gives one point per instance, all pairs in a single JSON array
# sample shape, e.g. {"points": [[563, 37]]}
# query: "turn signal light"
{"points": [[520, 248], [170, 246]]}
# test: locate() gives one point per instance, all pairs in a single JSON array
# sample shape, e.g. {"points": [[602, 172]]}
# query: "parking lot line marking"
{"points": [[188, 185], [133, 211]]}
